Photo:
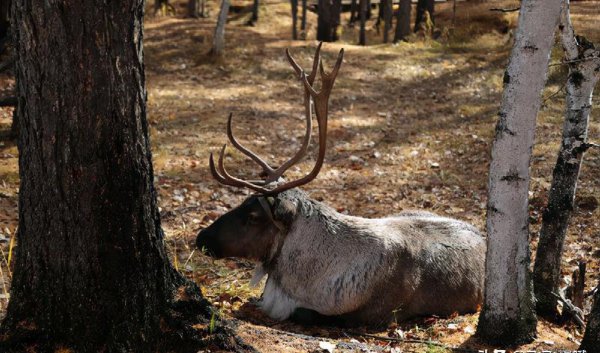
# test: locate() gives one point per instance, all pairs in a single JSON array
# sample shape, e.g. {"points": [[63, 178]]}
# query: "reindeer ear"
{"points": [[284, 211]]}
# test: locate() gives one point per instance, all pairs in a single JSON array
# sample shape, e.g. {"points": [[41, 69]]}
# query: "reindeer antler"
{"points": [[321, 102]]}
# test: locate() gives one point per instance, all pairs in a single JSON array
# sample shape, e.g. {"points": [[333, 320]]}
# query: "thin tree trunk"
{"points": [[362, 38], [403, 21], [584, 73], [508, 315], [4, 24], [193, 8], [294, 5], [422, 7], [336, 18], [219, 37], [303, 21], [387, 19], [254, 17], [324, 24], [591, 338], [353, 11], [91, 271]]}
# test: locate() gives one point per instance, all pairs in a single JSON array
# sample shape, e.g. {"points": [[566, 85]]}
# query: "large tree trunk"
{"points": [[362, 36], [591, 338], [584, 72], [294, 5], [387, 18], [324, 24], [91, 271], [403, 21], [422, 7], [219, 36], [508, 315]]}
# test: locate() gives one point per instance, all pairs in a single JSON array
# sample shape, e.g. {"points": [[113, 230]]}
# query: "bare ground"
{"points": [[410, 128]]}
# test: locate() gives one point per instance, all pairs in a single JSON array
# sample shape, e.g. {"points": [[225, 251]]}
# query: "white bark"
{"points": [[219, 37], [508, 316], [584, 71]]}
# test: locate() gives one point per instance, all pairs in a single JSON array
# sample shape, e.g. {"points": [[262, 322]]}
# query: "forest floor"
{"points": [[410, 127]]}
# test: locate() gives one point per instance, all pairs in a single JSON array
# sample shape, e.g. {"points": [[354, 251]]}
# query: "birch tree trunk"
{"points": [[584, 72], [403, 21], [219, 37], [508, 315]]}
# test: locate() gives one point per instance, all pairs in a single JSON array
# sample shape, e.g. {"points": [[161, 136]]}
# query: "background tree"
{"points": [[336, 18], [508, 315], [324, 21], [387, 18], [254, 17], [591, 338], [354, 9], [197, 8], [294, 5], [422, 7], [91, 270], [303, 20], [362, 37], [219, 37], [4, 24], [402, 21], [584, 72]]}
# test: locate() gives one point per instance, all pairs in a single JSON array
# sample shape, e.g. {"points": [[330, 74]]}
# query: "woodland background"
{"points": [[410, 127]]}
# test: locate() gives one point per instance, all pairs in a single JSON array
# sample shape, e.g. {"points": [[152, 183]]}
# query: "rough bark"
{"points": [[324, 24], [294, 5], [508, 315], [91, 271], [362, 37], [591, 338], [403, 21], [219, 36], [422, 7], [387, 18], [584, 72]]}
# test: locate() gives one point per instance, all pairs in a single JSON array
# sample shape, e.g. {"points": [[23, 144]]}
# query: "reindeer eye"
{"points": [[253, 218]]}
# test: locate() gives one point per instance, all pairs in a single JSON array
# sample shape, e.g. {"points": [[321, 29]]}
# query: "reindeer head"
{"points": [[251, 229]]}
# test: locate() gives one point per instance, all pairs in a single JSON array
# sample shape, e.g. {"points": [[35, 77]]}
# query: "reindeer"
{"points": [[321, 264]]}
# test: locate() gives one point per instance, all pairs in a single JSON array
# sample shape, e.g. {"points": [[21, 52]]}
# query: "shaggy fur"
{"points": [[366, 271]]}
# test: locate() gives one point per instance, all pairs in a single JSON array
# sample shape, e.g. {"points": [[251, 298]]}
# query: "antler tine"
{"points": [[299, 70], [266, 168], [321, 99], [305, 142], [225, 178]]}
